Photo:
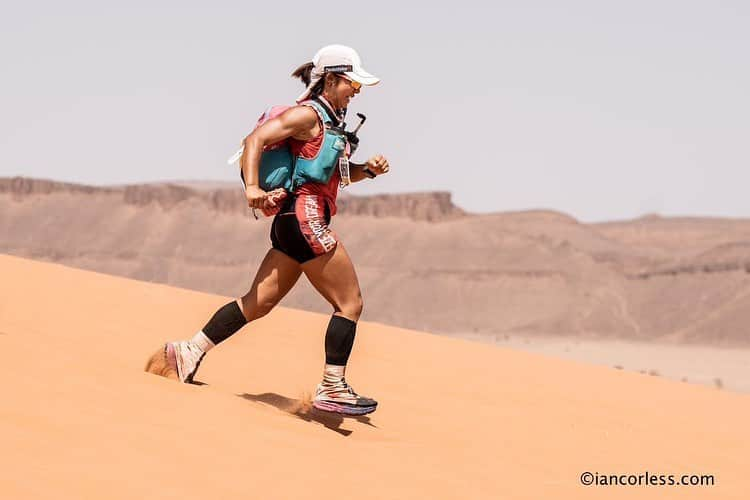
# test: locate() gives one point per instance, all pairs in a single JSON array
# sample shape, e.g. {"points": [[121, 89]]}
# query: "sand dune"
{"points": [[80, 419]]}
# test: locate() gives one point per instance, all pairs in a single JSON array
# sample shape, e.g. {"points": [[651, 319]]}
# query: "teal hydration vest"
{"points": [[280, 168], [320, 168]]}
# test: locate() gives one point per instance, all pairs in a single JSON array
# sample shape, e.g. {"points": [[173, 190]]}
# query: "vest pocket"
{"points": [[320, 168]]}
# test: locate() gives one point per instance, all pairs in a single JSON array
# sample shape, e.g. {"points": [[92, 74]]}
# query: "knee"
{"points": [[256, 310], [352, 308], [359, 304]]}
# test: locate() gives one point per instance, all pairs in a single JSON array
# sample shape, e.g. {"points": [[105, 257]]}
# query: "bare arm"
{"points": [[300, 122], [377, 165], [356, 172]]}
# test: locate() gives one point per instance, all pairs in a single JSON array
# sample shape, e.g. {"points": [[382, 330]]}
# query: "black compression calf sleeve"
{"points": [[339, 340], [225, 323]]}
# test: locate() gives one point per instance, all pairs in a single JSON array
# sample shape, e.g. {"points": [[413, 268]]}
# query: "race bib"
{"points": [[344, 171]]}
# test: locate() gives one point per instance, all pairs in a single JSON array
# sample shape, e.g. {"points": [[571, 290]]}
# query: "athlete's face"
{"points": [[341, 90]]}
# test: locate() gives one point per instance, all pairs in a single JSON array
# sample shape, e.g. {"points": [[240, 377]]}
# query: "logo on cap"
{"points": [[339, 68]]}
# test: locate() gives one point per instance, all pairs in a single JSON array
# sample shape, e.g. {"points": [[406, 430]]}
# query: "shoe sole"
{"points": [[344, 409], [170, 354]]}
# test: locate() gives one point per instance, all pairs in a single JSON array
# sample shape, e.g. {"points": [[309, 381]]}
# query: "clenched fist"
{"points": [[268, 202], [256, 197], [378, 164]]}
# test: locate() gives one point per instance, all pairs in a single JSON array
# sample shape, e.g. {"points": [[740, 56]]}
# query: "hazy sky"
{"points": [[599, 109]]}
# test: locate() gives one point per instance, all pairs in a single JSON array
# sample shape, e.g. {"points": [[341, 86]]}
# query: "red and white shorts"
{"points": [[301, 228]]}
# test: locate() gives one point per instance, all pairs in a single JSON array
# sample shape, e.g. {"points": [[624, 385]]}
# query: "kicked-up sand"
{"points": [[80, 419]]}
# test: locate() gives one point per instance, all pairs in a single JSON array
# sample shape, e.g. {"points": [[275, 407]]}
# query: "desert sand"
{"points": [[80, 419]]}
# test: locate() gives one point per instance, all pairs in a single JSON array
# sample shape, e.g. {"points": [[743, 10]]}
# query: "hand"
{"points": [[274, 201], [276, 196], [378, 164], [256, 197]]}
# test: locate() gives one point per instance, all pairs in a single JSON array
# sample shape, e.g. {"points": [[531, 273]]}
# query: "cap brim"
{"points": [[362, 76]]}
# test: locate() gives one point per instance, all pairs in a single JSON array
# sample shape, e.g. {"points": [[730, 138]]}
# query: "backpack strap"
{"points": [[325, 121], [323, 108], [324, 118]]}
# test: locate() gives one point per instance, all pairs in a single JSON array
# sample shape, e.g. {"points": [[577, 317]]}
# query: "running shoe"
{"points": [[339, 397], [184, 357]]}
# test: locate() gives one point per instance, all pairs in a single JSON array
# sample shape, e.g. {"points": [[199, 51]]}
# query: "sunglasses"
{"points": [[352, 83]]}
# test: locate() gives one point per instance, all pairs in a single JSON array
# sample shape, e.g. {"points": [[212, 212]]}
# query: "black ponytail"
{"points": [[304, 73]]}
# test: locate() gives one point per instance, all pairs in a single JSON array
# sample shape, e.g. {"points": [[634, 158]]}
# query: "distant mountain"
{"points": [[227, 197], [422, 262]]}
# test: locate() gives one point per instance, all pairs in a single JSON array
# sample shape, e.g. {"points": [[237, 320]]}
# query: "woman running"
{"points": [[302, 241]]}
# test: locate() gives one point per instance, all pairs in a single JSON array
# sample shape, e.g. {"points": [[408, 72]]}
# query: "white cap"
{"points": [[338, 59]]}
